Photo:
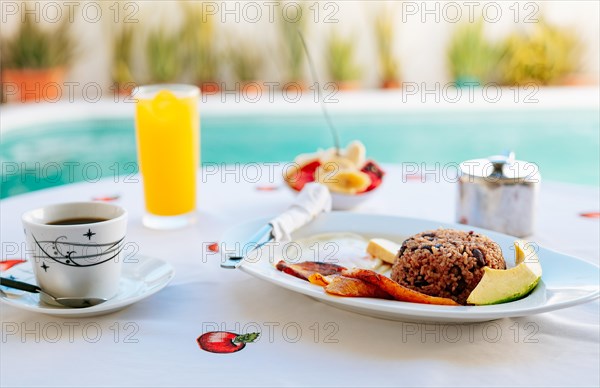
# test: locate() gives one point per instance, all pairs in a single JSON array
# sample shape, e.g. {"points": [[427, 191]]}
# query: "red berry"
{"points": [[373, 168], [375, 173]]}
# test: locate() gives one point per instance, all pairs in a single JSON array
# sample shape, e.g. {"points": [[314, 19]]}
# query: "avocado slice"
{"points": [[506, 285]]}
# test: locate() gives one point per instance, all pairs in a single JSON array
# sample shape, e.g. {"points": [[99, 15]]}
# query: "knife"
{"points": [[260, 238], [313, 200]]}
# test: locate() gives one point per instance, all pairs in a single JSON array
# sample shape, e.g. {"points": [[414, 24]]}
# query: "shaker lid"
{"points": [[501, 169]]}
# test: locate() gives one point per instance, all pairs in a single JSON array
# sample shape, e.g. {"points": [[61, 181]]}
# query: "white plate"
{"points": [[142, 276], [566, 280]]}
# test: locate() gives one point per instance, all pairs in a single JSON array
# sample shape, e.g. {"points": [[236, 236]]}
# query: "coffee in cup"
{"points": [[76, 248]]}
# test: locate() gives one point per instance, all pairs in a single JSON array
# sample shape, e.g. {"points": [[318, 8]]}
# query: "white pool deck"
{"points": [[410, 99]]}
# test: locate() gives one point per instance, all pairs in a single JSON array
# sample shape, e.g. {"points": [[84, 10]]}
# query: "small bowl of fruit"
{"points": [[347, 173]]}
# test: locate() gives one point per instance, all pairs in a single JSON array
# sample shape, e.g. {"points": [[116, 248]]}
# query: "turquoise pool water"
{"points": [[565, 144]]}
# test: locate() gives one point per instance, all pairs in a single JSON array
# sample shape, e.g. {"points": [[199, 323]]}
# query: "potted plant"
{"points": [[162, 55], [34, 61], [548, 55], [293, 48], [384, 35], [341, 62], [122, 45], [246, 64], [200, 56], [471, 57]]}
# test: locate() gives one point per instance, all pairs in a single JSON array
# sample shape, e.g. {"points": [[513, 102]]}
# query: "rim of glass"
{"points": [[179, 90]]}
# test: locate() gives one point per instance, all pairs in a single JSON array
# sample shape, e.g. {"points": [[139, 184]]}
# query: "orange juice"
{"points": [[168, 144]]}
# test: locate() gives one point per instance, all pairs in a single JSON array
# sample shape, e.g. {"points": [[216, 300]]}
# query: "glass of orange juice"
{"points": [[168, 145]]}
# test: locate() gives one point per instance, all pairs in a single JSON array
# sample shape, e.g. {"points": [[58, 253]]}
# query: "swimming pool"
{"points": [[565, 143]]}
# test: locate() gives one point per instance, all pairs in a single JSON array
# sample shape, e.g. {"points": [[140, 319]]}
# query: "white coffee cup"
{"points": [[80, 259]]}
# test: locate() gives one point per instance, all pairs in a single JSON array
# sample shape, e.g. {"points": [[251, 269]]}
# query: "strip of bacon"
{"points": [[337, 280], [305, 269], [345, 286], [394, 289], [319, 280]]}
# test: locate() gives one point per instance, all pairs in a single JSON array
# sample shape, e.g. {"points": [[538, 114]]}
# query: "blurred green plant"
{"points": [[163, 55], [245, 60], [471, 57], [293, 48], [35, 48], [197, 37], [545, 56], [384, 34], [122, 45], [341, 62]]}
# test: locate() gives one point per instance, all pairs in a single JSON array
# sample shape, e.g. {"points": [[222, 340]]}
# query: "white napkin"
{"points": [[313, 200]]}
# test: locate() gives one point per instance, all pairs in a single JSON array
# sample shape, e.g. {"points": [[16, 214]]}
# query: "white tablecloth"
{"points": [[303, 342]]}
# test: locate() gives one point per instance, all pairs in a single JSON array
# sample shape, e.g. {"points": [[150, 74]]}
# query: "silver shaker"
{"points": [[499, 193]]}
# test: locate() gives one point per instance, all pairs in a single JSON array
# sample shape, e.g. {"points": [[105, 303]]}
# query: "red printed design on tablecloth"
{"points": [[6, 264], [225, 341], [107, 198], [415, 178], [590, 215], [267, 188]]}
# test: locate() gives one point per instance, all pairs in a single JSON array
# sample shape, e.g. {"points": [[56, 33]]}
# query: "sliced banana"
{"points": [[357, 153], [347, 181], [326, 154], [337, 163], [325, 175], [340, 171]]}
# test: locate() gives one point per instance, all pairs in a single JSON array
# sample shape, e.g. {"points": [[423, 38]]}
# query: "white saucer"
{"points": [[142, 276]]}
